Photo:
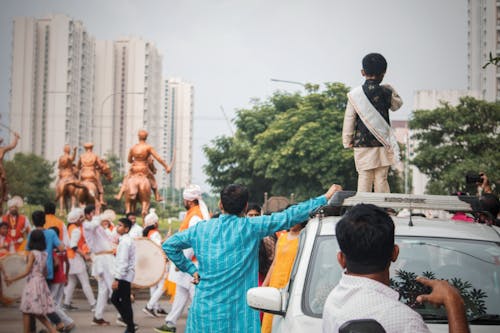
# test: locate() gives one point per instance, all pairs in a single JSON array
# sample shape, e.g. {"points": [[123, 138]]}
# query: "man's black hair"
{"points": [[49, 208], [37, 240], [254, 206], [129, 214], [88, 209], [374, 64], [126, 222], [234, 198], [38, 218], [56, 230], [366, 237]]}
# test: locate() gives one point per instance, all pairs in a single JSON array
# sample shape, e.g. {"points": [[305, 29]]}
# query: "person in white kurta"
{"points": [[151, 231], [77, 266], [136, 230], [101, 247]]}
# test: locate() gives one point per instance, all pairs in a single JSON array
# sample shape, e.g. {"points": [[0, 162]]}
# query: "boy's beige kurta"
{"points": [[367, 158]]}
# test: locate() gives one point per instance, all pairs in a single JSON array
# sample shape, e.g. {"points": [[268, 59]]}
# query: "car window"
{"points": [[471, 266]]}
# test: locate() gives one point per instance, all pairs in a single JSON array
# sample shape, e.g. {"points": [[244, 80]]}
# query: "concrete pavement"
{"points": [[11, 317]]}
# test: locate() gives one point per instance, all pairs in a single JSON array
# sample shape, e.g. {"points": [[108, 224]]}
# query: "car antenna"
{"points": [[410, 223]]}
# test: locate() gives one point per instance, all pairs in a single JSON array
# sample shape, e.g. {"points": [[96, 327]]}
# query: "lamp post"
{"points": [[291, 82]]}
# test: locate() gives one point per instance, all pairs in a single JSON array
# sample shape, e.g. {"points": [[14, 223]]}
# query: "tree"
{"points": [[30, 176], [452, 141], [111, 187], [287, 144]]}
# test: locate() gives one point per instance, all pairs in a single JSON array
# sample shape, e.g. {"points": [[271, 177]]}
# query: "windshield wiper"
{"points": [[485, 319], [434, 318]]}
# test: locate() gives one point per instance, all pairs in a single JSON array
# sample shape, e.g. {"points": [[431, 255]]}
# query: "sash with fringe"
{"points": [[373, 121]]}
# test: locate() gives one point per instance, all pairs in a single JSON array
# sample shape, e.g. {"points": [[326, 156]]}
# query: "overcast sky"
{"points": [[229, 50]]}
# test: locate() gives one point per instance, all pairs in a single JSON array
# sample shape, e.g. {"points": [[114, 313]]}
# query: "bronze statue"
{"points": [[139, 182], [3, 177], [67, 180], [90, 167]]}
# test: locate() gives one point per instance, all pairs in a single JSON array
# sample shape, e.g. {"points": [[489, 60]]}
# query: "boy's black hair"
{"points": [[129, 214], [126, 222], [254, 206], [234, 198], [374, 64], [37, 240], [366, 237], [88, 209], [49, 208], [56, 230], [38, 218]]}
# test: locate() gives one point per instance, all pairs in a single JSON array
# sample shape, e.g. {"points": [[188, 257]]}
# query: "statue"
{"points": [[139, 182], [3, 177], [90, 167], [67, 180]]}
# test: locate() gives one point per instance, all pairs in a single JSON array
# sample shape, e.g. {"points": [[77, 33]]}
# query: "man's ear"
{"points": [[395, 253], [363, 72], [220, 206], [341, 259]]}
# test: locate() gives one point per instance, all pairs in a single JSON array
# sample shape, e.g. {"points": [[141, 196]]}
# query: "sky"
{"points": [[230, 50]]}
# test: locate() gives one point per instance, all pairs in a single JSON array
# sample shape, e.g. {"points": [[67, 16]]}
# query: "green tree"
{"points": [[111, 187], [287, 144], [452, 141], [30, 176]]}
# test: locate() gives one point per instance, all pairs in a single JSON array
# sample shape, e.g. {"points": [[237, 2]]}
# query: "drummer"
{"points": [[19, 225]]}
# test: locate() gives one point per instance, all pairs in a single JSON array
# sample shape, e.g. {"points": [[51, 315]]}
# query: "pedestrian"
{"points": [[124, 274], [36, 299], [184, 289], [367, 126], [227, 251]]}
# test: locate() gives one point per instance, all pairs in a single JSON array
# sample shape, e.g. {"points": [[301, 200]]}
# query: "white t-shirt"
{"points": [[358, 297]]}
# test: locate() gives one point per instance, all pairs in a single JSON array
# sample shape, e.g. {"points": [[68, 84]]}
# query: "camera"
{"points": [[473, 178]]}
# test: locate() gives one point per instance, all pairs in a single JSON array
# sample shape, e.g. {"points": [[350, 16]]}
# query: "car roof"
{"points": [[424, 227]]}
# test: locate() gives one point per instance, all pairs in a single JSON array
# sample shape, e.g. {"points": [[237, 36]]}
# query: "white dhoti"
{"points": [[101, 270]]}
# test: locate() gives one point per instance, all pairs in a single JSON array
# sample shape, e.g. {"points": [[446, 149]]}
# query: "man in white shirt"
{"points": [[101, 247], [136, 229], [124, 274], [366, 239]]}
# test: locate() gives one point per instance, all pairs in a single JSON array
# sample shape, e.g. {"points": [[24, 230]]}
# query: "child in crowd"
{"points": [[367, 128], [6, 244], [124, 274], [36, 299]]}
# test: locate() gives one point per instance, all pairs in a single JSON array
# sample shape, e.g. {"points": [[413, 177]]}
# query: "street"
{"points": [[11, 317]]}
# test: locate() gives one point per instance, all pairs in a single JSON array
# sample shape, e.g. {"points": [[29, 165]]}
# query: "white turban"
{"points": [[75, 215], [108, 215], [151, 218], [15, 201], [193, 192]]}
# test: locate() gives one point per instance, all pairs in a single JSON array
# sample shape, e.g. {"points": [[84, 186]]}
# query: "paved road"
{"points": [[11, 322]]}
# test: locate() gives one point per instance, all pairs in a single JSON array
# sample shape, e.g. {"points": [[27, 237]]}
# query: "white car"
{"points": [[466, 254]]}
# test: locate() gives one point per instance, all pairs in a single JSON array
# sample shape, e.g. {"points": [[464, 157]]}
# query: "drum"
{"points": [[150, 263], [13, 265]]}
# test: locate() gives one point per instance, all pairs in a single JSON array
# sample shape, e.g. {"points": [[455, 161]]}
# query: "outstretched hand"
{"points": [[331, 191], [442, 292], [196, 278]]}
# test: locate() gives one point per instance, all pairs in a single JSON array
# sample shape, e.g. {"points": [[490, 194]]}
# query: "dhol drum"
{"points": [[12, 265], [150, 263]]}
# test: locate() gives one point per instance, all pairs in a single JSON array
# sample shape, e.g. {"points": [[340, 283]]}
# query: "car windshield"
{"points": [[473, 267]]}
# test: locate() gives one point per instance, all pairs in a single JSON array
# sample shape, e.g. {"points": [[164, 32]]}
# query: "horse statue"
{"points": [[137, 190], [88, 188]]}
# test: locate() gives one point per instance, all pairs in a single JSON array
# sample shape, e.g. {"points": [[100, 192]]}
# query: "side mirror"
{"points": [[361, 326], [265, 299]]}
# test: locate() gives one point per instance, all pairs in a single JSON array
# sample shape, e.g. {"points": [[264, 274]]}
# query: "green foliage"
{"points": [[287, 144], [455, 140], [112, 187], [495, 61], [408, 288], [29, 176]]}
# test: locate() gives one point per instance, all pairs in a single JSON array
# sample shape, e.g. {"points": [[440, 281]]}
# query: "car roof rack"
{"points": [[409, 201]]}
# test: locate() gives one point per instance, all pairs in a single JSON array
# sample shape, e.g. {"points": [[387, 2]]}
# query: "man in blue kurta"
{"points": [[227, 251]]}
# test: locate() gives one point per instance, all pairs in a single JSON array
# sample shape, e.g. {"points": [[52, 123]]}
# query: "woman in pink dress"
{"points": [[36, 299]]}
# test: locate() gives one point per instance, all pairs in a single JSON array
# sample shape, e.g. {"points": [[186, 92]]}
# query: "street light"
{"points": [[291, 82]]}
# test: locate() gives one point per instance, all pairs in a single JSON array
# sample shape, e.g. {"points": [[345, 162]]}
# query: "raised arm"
{"points": [[13, 144]]}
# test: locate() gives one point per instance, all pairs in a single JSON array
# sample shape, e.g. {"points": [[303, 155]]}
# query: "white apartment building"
{"points": [[178, 134], [483, 37], [429, 100], [51, 97], [128, 81]]}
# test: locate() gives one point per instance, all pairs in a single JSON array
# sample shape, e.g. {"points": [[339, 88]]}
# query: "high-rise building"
{"points": [[483, 38], [177, 136], [128, 80], [51, 97]]}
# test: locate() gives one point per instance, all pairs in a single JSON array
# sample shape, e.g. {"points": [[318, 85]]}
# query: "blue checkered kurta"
{"points": [[227, 251]]}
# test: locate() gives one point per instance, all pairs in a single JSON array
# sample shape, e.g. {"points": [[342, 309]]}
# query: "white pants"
{"points": [[83, 277], [156, 292], [374, 179], [104, 282], [57, 291], [182, 295]]}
